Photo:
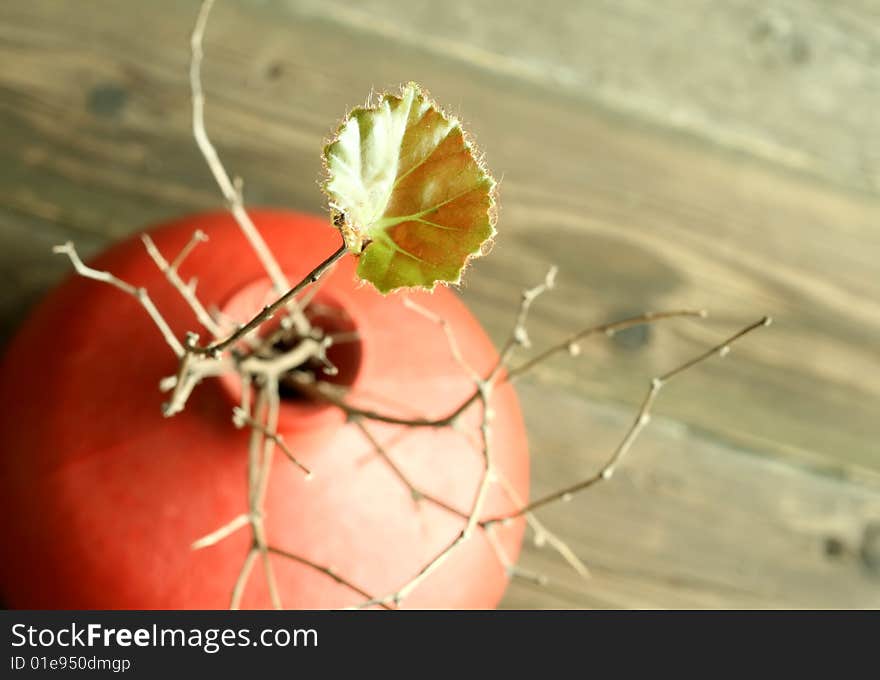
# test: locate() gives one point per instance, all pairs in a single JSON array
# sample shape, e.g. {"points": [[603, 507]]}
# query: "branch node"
{"points": [[521, 337]]}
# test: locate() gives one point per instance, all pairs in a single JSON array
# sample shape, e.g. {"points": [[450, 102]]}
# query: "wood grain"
{"points": [[760, 485], [794, 82]]}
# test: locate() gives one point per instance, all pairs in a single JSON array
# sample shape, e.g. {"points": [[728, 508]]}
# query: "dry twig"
{"points": [[139, 294]]}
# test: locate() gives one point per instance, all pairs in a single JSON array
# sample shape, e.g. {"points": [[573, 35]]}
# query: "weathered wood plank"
{"points": [[96, 143], [687, 522], [795, 82]]}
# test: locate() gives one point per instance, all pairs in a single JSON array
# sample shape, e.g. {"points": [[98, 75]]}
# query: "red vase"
{"points": [[101, 496]]}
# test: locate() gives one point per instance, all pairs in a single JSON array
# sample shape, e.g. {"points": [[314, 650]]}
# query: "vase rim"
{"points": [[298, 414]]}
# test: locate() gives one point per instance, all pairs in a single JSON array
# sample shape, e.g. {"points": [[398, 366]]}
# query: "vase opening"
{"points": [[343, 356], [329, 318]]}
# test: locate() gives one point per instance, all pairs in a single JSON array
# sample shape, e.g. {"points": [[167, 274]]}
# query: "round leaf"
{"points": [[409, 192]]}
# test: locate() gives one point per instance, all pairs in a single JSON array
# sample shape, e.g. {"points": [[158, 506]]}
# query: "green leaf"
{"points": [[404, 177]]}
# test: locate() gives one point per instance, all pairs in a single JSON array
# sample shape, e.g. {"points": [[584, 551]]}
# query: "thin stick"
{"points": [[241, 581], [607, 328], [519, 572], [212, 158], [223, 532], [503, 558], [541, 533], [231, 192], [488, 468], [327, 393], [544, 535], [642, 418], [319, 391], [273, 406], [454, 349], [269, 310], [415, 492], [258, 501], [254, 445], [309, 295], [253, 518], [191, 371], [520, 335], [198, 237], [187, 291], [437, 561], [327, 571], [139, 294], [484, 390], [241, 418], [274, 367], [274, 592]]}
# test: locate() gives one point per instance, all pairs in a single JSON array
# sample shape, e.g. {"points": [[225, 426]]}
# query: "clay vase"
{"points": [[102, 497]]}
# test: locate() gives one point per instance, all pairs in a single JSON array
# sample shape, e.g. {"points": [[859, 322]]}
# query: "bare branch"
{"points": [[454, 349], [187, 291], [246, 386], [231, 192], [416, 493], [309, 295], [212, 158], [484, 393], [519, 572], [139, 294], [191, 371], [436, 562], [520, 335], [261, 485], [485, 390], [223, 532], [420, 495], [269, 310], [243, 575], [542, 535], [271, 582], [275, 367], [607, 328], [240, 418], [327, 571], [642, 418], [326, 392], [198, 237], [512, 569]]}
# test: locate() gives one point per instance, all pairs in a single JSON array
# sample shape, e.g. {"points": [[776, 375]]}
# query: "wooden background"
{"points": [[689, 153]]}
